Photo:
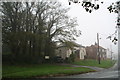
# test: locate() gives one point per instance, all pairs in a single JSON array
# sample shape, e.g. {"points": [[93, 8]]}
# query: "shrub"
{"points": [[70, 59]]}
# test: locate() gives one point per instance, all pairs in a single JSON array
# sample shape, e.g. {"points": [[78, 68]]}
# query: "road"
{"points": [[104, 73]]}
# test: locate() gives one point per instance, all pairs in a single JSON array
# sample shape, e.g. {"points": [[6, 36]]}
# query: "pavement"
{"points": [[91, 67], [94, 68], [102, 73]]}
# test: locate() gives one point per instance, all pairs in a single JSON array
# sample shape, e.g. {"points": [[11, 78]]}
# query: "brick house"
{"points": [[92, 52]]}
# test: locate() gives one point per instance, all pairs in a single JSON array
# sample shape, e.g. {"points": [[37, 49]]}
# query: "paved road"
{"points": [[103, 73], [94, 68]]}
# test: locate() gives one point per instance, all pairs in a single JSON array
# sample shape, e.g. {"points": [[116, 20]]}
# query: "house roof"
{"points": [[96, 46], [72, 44], [78, 45]]}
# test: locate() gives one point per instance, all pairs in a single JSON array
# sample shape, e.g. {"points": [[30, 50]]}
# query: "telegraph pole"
{"points": [[98, 48]]}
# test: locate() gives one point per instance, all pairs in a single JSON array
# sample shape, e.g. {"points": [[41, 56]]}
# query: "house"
{"points": [[65, 51], [92, 52], [108, 54], [103, 53], [81, 53], [111, 55]]}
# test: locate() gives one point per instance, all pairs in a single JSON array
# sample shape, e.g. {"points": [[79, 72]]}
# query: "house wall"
{"points": [[69, 52], [108, 54], [82, 53], [63, 52], [103, 54], [92, 52]]}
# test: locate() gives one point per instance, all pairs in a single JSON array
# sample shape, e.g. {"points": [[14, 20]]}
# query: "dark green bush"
{"points": [[70, 59]]}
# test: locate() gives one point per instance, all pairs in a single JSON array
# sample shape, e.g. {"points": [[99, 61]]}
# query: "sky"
{"points": [[100, 21]]}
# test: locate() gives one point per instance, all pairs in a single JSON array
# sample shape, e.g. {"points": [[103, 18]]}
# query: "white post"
{"points": [[119, 49], [118, 24], [0, 48], [119, 43]]}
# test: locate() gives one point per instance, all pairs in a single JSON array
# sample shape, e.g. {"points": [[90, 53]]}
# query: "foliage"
{"points": [[115, 8], [32, 29], [70, 59], [16, 71], [70, 44], [88, 5]]}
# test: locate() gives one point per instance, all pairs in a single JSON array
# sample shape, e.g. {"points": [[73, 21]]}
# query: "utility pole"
{"points": [[98, 48]]}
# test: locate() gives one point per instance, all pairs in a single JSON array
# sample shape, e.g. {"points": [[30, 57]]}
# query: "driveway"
{"points": [[91, 67], [102, 73]]}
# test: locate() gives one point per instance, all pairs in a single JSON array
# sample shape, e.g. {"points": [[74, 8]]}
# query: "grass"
{"points": [[28, 71], [17, 71], [104, 63]]}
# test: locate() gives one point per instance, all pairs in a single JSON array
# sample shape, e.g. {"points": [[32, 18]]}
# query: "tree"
{"points": [[32, 29], [59, 27], [114, 7], [88, 5]]}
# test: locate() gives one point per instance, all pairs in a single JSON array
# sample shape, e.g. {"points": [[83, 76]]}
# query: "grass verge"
{"points": [[103, 64], [27, 71]]}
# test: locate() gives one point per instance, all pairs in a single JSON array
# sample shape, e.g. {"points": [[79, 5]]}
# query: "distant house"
{"points": [[65, 51], [81, 53], [92, 52], [103, 53], [108, 54]]}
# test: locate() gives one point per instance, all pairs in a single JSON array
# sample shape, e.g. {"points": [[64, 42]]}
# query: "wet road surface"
{"points": [[102, 73]]}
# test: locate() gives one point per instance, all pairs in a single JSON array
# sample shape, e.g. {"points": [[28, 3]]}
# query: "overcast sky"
{"points": [[100, 21]]}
